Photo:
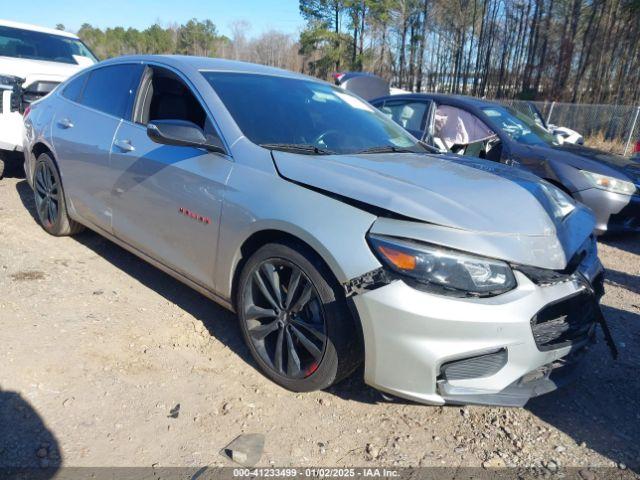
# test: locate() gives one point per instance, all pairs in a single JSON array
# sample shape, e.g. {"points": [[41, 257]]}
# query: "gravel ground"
{"points": [[99, 347]]}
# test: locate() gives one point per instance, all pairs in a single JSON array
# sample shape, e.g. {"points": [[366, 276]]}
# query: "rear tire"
{"points": [[287, 297], [51, 207]]}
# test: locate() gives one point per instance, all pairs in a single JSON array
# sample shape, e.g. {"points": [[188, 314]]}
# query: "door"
{"points": [[88, 116], [166, 199], [409, 114]]}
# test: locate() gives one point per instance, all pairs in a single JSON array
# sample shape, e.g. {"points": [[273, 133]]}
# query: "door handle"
{"points": [[65, 123], [125, 145]]}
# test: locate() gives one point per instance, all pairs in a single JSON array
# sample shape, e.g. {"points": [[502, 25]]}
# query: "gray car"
{"points": [[335, 235]]}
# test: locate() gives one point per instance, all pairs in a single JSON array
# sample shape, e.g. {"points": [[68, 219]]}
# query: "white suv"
{"points": [[33, 61]]}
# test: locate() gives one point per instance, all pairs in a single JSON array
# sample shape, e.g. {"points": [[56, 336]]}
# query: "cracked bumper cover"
{"points": [[409, 334], [540, 381]]}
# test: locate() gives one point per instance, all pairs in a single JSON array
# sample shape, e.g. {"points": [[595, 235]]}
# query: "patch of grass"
{"points": [[599, 142]]}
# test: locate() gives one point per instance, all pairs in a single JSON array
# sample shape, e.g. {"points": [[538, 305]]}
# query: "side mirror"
{"points": [[180, 133], [558, 136]]}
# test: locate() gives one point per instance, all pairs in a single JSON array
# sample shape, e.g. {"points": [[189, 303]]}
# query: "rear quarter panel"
{"points": [[38, 130]]}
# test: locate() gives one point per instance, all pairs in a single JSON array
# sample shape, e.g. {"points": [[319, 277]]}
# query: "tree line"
{"points": [[584, 51], [194, 38], [567, 50]]}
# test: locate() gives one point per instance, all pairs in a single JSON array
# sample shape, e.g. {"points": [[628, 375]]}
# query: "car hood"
{"points": [[586, 158], [468, 204], [472, 195], [32, 70]]}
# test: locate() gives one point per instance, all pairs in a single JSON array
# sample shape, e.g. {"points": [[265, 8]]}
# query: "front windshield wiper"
{"points": [[429, 148], [386, 149], [297, 148]]}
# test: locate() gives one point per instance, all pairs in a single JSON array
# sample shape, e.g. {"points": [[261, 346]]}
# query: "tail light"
{"points": [[27, 111], [636, 149]]}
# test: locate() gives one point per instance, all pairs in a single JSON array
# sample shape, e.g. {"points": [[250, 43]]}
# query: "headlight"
{"points": [[561, 203], [610, 184], [443, 270]]}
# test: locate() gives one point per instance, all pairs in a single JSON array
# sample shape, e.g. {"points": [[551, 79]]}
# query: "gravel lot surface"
{"points": [[99, 347]]}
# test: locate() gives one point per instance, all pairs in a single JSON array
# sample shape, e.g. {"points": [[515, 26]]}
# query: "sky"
{"points": [[262, 15]]}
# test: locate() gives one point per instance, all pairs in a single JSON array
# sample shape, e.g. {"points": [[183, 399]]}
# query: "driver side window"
{"points": [[164, 96]]}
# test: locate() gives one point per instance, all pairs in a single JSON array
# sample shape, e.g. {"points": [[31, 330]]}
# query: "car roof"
{"points": [[442, 97], [347, 75], [36, 28], [213, 64]]}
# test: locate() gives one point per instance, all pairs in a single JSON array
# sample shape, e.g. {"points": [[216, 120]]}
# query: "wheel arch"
{"points": [[265, 236], [261, 237], [38, 149]]}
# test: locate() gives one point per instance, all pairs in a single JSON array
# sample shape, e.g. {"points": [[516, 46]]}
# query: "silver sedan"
{"points": [[335, 236]]}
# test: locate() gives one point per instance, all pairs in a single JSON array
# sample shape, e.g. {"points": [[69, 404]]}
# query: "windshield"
{"points": [[518, 126], [19, 43], [280, 112]]}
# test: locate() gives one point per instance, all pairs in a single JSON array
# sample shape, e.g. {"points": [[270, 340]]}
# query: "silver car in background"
{"points": [[335, 235]]}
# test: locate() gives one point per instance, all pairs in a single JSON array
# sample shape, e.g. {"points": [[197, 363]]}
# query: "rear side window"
{"points": [[110, 89], [74, 88], [407, 114]]}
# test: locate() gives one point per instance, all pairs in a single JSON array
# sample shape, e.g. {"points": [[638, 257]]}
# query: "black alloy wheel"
{"points": [[285, 319], [47, 195], [295, 319]]}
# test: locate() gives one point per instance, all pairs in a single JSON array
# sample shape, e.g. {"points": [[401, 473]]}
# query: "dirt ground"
{"points": [[98, 347]]}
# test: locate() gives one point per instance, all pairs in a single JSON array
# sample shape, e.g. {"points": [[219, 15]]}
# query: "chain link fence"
{"points": [[615, 128]]}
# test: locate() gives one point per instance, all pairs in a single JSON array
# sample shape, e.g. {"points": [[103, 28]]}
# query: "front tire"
{"points": [[51, 207], [294, 319]]}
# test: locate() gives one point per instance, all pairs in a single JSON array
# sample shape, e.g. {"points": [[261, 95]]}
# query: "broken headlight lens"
{"points": [[443, 270], [610, 184]]}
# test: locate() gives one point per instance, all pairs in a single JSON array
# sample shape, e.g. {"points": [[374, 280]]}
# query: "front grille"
{"points": [[565, 322], [16, 98]]}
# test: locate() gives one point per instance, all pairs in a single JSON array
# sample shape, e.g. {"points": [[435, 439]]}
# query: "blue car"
{"points": [[608, 184]]}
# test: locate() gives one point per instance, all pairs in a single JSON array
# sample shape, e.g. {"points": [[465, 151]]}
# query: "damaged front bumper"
{"points": [[436, 349], [542, 380]]}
